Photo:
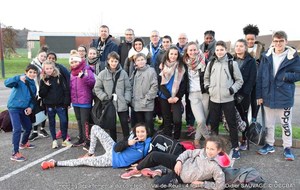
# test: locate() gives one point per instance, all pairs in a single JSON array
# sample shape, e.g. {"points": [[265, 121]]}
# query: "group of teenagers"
{"points": [[160, 75]]}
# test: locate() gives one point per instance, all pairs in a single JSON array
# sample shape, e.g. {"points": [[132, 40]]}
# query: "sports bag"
{"points": [[256, 133], [243, 178], [163, 143]]}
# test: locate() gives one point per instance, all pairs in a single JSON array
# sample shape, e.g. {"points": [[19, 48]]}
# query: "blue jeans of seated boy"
{"points": [[19, 119], [61, 112]]}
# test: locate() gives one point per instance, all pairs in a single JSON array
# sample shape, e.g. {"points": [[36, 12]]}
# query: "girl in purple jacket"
{"points": [[81, 85]]}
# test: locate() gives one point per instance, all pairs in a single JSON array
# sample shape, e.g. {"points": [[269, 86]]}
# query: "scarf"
{"points": [[197, 63], [132, 52], [75, 71], [170, 69], [92, 61]]}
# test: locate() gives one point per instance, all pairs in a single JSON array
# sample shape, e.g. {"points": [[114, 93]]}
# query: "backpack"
{"points": [[104, 112], [188, 145], [257, 132], [243, 178], [163, 143], [5, 122]]}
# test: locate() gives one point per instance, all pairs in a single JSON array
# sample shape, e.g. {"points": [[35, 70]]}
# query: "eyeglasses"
{"points": [[154, 36], [278, 41], [128, 34], [181, 38]]}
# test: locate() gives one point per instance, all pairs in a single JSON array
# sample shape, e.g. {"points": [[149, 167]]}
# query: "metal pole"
{"points": [[1, 53]]}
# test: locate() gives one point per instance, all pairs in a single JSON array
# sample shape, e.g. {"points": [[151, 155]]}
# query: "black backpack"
{"points": [[163, 143], [243, 178], [5, 122], [104, 112]]}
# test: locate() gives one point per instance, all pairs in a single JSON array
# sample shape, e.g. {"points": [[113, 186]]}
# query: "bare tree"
{"points": [[9, 41]]}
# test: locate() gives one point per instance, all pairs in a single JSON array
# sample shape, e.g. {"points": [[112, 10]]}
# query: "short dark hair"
{"points": [[168, 37], [140, 124], [104, 26], [210, 32], [279, 34], [138, 40], [52, 53], [217, 140], [31, 67], [221, 43]]}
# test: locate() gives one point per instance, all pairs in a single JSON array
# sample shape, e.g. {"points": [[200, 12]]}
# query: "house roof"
{"points": [[35, 36], [267, 40]]}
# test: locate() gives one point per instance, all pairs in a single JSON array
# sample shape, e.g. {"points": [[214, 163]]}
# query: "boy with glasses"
{"points": [[279, 69]]}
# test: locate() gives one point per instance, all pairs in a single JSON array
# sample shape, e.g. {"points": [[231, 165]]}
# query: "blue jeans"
{"points": [[19, 119], [62, 114]]}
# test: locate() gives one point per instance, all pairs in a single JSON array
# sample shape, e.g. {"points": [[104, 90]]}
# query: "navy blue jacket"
{"points": [[248, 71], [110, 46], [278, 92]]}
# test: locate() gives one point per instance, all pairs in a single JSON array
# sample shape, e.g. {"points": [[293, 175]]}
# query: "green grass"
{"points": [[278, 129], [17, 64]]}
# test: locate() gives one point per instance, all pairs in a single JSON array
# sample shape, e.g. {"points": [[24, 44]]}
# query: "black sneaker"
{"points": [[86, 146], [44, 133], [33, 136], [236, 154], [80, 142]]}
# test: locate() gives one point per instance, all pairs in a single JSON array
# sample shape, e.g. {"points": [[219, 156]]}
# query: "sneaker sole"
{"points": [[289, 159], [22, 148], [66, 145], [135, 175], [266, 152], [78, 145], [44, 136], [17, 160]]}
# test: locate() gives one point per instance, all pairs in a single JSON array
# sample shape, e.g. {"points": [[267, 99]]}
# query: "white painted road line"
{"points": [[32, 164]]}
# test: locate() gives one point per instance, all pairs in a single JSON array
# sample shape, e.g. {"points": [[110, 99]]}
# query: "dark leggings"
{"points": [[82, 117], [159, 158], [123, 116]]}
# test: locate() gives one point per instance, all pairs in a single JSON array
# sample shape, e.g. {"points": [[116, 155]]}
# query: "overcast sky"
{"points": [[194, 17]]}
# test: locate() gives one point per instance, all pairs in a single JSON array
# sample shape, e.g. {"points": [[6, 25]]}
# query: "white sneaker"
{"points": [[66, 143], [54, 144]]}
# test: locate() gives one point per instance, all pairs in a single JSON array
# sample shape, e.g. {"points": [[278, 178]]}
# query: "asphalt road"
{"points": [[278, 173]]}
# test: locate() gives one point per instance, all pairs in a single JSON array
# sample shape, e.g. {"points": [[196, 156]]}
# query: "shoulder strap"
{"points": [[230, 67], [116, 80], [30, 91], [211, 64]]}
